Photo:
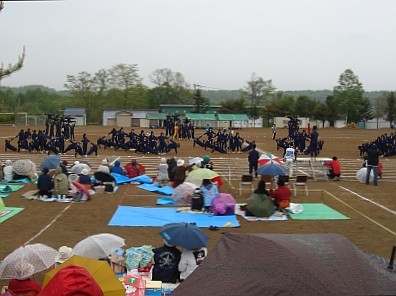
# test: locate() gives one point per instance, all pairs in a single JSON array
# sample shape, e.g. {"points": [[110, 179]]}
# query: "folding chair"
{"points": [[285, 179], [301, 181], [246, 180]]}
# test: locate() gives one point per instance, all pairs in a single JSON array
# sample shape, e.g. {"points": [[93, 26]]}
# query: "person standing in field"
{"points": [[313, 147]]}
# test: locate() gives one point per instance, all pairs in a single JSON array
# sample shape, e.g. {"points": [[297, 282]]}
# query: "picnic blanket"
{"points": [[158, 217], [9, 212], [274, 217], [121, 179], [318, 211], [9, 188], [167, 190]]}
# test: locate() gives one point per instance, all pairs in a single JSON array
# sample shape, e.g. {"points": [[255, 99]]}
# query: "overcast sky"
{"points": [[299, 44]]}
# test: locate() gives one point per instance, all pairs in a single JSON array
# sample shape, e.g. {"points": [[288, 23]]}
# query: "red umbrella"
{"points": [[267, 157]]}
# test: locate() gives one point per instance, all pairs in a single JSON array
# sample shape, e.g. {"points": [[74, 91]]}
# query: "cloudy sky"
{"points": [[299, 44]]}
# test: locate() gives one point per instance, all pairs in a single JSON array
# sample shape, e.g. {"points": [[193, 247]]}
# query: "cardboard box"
{"points": [[153, 288]]}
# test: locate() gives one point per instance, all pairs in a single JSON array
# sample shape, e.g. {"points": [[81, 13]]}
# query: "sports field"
{"points": [[371, 209]]}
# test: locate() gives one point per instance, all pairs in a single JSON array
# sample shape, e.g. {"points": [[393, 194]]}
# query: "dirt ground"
{"points": [[371, 209]]}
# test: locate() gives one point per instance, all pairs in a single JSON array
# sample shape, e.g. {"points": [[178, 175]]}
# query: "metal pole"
{"points": [[392, 258]]}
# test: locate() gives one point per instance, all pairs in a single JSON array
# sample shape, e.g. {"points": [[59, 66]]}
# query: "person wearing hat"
{"points": [[104, 167], [25, 285], [61, 184], [179, 173], [162, 172], [85, 179], [65, 253]]}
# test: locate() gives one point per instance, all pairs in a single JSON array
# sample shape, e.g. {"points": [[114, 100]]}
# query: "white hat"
{"points": [[76, 162], [65, 253], [180, 162], [84, 172], [104, 161], [163, 160]]}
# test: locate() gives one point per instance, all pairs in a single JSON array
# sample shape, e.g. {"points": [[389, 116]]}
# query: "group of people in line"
{"points": [[385, 143]]}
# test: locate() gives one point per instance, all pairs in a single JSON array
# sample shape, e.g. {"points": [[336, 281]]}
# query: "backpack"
{"points": [[197, 200]]}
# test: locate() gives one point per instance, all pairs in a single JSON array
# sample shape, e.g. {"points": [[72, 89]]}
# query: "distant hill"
{"points": [[217, 96], [25, 88]]}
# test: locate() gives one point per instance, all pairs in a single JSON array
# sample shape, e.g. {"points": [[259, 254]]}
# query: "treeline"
{"points": [[121, 87]]}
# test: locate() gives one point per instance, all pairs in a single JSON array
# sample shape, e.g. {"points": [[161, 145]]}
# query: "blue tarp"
{"points": [[167, 190], [158, 217], [121, 179]]}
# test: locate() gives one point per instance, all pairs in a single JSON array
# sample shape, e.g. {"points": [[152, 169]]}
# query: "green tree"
{"points": [[331, 110], [320, 112], [391, 108], [349, 95], [257, 91], [236, 106], [201, 104], [125, 77]]}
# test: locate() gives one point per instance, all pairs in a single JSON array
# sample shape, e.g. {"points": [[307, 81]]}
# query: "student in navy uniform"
{"points": [[85, 142], [253, 158]]}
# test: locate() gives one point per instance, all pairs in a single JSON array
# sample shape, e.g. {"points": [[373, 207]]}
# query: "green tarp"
{"points": [[318, 211], [233, 117]]}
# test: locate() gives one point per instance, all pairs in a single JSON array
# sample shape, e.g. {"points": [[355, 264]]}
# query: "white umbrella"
{"points": [[362, 173], [77, 168], [28, 260], [98, 245], [194, 160]]}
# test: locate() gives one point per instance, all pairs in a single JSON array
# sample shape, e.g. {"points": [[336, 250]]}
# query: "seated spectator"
{"points": [[132, 169], [117, 168], [24, 286], [281, 195], [104, 167], [63, 166], [260, 204], [85, 179], [166, 263], [61, 183], [209, 191], [179, 173], [44, 183], [8, 170], [189, 261], [334, 169]]}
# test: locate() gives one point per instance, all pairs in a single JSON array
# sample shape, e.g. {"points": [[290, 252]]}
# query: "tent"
{"points": [[288, 264]]}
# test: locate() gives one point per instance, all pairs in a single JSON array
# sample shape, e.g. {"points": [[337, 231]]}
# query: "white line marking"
{"points": [[50, 224], [369, 200]]}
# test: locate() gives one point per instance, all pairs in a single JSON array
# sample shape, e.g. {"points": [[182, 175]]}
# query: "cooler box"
{"points": [[153, 288]]}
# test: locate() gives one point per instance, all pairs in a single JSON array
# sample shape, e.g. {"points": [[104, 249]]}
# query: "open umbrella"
{"points": [[362, 173], [202, 173], [194, 160], [98, 245], [267, 157], [28, 260], [99, 270], [24, 167], [186, 235], [51, 162], [271, 169]]}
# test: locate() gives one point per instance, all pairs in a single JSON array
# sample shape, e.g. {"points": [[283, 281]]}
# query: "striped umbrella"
{"points": [[267, 157]]}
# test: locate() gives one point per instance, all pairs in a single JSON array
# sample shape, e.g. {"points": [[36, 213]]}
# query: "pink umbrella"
{"points": [[267, 157]]}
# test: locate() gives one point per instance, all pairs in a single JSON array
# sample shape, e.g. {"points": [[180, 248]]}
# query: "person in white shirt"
{"points": [[189, 261]]}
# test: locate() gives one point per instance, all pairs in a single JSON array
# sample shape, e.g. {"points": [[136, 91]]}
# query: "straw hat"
{"points": [[104, 161], [65, 253], [180, 162]]}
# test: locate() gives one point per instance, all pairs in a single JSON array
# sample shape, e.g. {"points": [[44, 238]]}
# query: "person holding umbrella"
{"points": [[166, 263], [25, 285]]}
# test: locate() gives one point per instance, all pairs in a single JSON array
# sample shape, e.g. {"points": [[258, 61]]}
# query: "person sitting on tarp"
{"points": [[166, 263], [162, 172], [190, 260], [61, 183], [281, 195], [85, 179], [44, 183], [117, 168], [8, 170], [132, 169], [209, 191], [104, 167], [259, 204]]}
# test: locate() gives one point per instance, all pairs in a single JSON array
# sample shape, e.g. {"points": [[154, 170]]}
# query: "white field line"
{"points": [[369, 200], [50, 224]]}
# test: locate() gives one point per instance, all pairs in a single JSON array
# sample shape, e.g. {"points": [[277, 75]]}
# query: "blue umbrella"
{"points": [[186, 235], [271, 169], [51, 162]]}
